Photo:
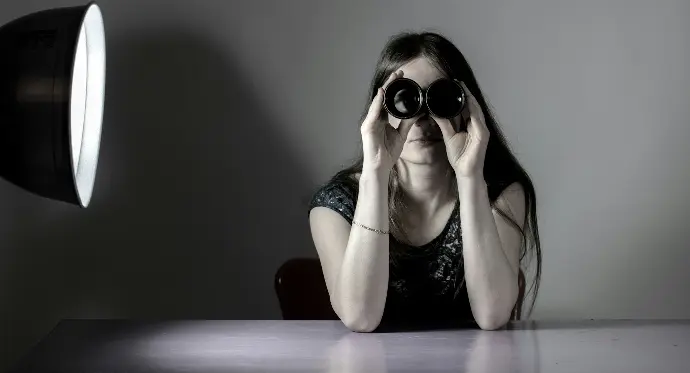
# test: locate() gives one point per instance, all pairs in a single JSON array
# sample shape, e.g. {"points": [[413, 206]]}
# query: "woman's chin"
{"points": [[429, 157]]}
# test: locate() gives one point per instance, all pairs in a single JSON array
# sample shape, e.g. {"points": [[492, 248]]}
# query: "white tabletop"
{"points": [[326, 346]]}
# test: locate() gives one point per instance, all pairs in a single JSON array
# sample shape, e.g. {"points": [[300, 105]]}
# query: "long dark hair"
{"points": [[501, 168]]}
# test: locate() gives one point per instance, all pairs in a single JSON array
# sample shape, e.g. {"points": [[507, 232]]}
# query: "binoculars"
{"points": [[404, 98]]}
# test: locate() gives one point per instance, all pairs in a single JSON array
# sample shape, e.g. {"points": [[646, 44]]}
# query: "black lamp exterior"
{"points": [[38, 52]]}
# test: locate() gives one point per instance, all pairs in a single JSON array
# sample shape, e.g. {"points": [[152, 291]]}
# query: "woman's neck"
{"points": [[427, 187]]}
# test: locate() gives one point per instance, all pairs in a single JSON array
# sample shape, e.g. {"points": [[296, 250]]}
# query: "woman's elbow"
{"points": [[357, 317], [497, 314], [361, 328], [361, 323], [493, 320], [492, 324]]}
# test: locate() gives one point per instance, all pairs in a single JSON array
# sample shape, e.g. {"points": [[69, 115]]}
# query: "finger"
{"points": [[406, 125], [446, 127], [475, 128], [464, 140], [394, 75], [476, 125], [375, 108], [470, 100]]}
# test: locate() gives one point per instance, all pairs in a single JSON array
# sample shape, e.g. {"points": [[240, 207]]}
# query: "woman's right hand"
{"points": [[382, 143]]}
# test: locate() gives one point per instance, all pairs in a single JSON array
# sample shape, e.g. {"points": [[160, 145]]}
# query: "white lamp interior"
{"points": [[87, 95], [78, 99]]}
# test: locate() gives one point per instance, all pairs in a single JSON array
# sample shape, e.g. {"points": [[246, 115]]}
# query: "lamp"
{"points": [[52, 89]]}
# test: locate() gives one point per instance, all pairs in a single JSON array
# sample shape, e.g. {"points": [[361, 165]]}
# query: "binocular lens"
{"points": [[445, 98], [405, 99]]}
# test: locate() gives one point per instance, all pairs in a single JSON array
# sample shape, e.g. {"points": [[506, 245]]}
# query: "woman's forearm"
{"points": [[362, 282], [492, 283]]}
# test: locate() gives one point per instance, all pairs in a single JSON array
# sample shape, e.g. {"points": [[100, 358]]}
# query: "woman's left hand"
{"points": [[466, 150]]}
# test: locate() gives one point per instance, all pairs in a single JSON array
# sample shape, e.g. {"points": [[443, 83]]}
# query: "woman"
{"points": [[431, 224]]}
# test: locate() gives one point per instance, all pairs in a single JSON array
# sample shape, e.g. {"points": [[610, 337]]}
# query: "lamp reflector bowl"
{"points": [[52, 90]]}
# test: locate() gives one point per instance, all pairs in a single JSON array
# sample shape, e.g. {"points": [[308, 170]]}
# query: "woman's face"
{"points": [[431, 149]]}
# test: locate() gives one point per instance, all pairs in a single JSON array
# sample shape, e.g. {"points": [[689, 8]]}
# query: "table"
{"points": [[326, 346]]}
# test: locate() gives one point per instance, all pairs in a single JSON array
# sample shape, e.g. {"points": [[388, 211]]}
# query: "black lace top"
{"points": [[426, 283]]}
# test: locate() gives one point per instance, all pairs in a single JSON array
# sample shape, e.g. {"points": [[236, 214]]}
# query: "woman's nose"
{"points": [[423, 122]]}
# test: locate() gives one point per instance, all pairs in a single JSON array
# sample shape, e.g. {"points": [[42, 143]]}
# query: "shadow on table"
{"points": [[472, 351], [590, 324], [137, 345], [585, 324], [422, 327]]}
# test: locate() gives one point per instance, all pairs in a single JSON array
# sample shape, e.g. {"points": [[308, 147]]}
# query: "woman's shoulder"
{"points": [[339, 193], [347, 184]]}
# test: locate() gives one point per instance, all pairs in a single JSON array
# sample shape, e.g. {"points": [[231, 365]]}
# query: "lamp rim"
{"points": [[84, 197]]}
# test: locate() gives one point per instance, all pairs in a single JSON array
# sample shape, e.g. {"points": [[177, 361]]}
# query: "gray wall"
{"points": [[223, 116]]}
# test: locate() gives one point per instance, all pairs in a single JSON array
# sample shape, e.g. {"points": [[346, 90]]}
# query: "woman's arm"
{"points": [[491, 249], [354, 259]]}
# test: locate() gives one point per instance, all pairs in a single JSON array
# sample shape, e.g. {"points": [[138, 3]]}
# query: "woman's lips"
{"points": [[426, 140]]}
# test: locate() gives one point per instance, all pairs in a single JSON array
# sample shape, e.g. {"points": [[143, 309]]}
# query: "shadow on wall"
{"points": [[196, 205]]}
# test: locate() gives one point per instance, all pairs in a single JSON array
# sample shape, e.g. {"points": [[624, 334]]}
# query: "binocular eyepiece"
{"points": [[404, 98]]}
